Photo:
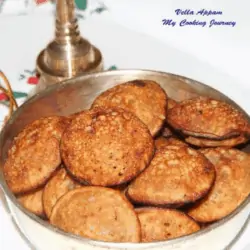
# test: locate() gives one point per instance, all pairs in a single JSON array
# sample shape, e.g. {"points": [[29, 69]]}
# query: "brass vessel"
{"points": [[69, 54], [77, 94]]}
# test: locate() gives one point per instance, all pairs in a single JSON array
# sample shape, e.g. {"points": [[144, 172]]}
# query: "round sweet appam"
{"points": [[56, 187], [171, 103], [144, 98], [163, 142], [106, 146], [231, 188], [34, 154], [177, 175], [159, 224], [33, 202], [97, 213], [202, 142], [208, 118]]}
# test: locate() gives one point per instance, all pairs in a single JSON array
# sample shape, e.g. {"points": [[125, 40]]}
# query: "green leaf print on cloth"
{"points": [[81, 4], [113, 67], [17, 95]]}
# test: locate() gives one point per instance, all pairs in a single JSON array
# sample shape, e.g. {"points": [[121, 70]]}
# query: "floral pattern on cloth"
{"points": [[29, 77], [84, 8]]}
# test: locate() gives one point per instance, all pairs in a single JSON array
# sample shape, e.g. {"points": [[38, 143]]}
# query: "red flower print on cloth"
{"points": [[32, 80], [3, 97], [41, 1], [29, 76]]}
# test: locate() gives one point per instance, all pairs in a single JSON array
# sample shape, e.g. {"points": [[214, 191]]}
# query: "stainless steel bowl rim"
{"points": [[103, 244]]}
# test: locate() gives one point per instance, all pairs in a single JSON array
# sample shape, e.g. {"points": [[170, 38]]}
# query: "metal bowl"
{"points": [[77, 94]]}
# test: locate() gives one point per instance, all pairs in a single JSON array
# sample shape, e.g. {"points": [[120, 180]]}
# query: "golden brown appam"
{"points": [[167, 131], [98, 213], [106, 146], [171, 103], [144, 98], [56, 187], [162, 142], [231, 188], [177, 175], [34, 154], [33, 202], [202, 142], [208, 118], [159, 224]]}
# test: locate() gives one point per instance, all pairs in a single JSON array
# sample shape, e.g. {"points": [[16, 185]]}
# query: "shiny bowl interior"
{"points": [[77, 94]]}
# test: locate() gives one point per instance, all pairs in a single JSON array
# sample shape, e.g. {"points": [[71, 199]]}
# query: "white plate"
{"points": [[23, 37]]}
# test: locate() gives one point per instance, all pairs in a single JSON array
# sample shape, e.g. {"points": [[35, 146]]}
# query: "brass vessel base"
{"points": [[47, 78]]}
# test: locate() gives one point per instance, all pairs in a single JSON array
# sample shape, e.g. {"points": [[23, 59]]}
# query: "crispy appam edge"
{"points": [[30, 202], [130, 206], [149, 208], [221, 160], [159, 213], [202, 142], [163, 142], [104, 111], [103, 100], [21, 142], [162, 204], [182, 128], [48, 188]]}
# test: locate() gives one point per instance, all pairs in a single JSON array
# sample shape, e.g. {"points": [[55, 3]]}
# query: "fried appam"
{"points": [[144, 98], [106, 146], [177, 175], [56, 187], [171, 103], [202, 142], [98, 213], [167, 131], [208, 118], [34, 154], [162, 142], [33, 202], [159, 224], [231, 188]]}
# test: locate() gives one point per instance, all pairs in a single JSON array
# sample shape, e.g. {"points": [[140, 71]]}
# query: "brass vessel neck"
{"points": [[67, 31]]}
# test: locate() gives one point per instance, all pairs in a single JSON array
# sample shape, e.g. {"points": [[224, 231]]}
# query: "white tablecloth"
{"points": [[226, 47]]}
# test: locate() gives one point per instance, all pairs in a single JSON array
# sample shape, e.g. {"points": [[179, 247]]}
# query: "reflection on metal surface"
{"points": [[8, 211], [237, 237]]}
